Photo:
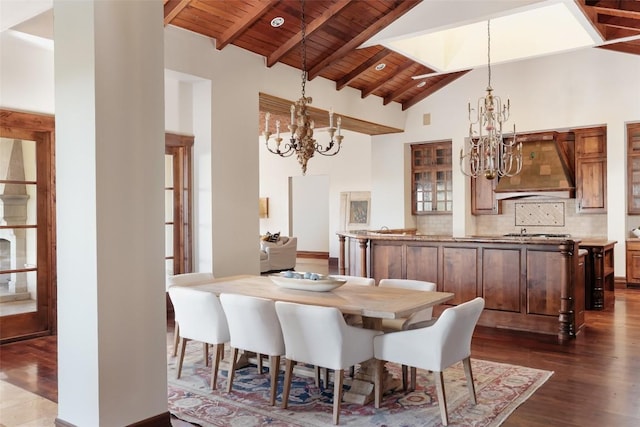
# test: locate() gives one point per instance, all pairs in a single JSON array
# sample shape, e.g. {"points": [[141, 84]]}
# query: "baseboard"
{"points": [[160, 420], [620, 282], [313, 255]]}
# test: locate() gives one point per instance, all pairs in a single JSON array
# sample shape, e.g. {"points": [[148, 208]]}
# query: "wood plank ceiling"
{"points": [[336, 28]]}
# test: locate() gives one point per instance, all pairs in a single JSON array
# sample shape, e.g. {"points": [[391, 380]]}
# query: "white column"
{"points": [[110, 251]]}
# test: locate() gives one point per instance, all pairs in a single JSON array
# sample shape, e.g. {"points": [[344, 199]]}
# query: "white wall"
{"points": [[26, 73]]}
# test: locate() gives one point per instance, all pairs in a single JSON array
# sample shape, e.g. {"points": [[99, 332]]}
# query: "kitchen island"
{"points": [[529, 283]]}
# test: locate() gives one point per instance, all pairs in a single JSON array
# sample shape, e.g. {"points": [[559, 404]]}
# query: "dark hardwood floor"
{"points": [[596, 379]]}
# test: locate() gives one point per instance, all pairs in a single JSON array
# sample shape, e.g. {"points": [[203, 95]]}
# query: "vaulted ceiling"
{"points": [[337, 29]]}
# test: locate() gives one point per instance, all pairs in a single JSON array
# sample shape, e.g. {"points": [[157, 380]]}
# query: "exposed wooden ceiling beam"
{"points": [[446, 79], [382, 81], [615, 7], [313, 26], [374, 60], [172, 8], [239, 26], [402, 6]]}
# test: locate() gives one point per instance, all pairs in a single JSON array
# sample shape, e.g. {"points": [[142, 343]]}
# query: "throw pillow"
{"points": [[271, 237]]}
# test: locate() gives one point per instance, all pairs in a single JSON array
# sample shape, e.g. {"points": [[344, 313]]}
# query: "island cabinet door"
{"points": [[501, 279], [422, 263], [460, 273], [544, 295], [387, 260]]}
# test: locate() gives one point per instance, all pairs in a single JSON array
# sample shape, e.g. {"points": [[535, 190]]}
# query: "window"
{"points": [[431, 178]]}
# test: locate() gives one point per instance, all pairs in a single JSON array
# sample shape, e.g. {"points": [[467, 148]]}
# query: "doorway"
{"points": [[309, 204], [27, 226], [178, 204]]}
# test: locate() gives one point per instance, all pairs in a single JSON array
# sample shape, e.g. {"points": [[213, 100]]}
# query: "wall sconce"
{"points": [[263, 207]]}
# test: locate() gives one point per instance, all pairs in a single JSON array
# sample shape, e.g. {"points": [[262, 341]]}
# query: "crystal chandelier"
{"points": [[302, 142], [488, 153]]}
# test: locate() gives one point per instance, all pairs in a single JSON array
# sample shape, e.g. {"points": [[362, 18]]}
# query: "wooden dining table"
{"points": [[373, 303]]}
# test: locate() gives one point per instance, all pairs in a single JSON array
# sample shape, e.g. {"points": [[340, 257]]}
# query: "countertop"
{"points": [[413, 235]]}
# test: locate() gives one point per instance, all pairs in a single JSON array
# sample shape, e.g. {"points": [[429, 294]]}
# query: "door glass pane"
{"points": [[18, 222], [168, 240]]}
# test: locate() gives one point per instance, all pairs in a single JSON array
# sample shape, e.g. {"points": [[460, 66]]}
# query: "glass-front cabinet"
{"points": [[431, 178], [633, 168]]}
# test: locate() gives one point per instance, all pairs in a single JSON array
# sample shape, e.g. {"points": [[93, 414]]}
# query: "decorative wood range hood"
{"points": [[547, 168]]}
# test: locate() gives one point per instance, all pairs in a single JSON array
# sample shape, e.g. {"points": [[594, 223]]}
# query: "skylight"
{"points": [[539, 31]]}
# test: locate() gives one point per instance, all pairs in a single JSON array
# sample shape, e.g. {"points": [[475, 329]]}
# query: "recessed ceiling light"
{"points": [[277, 21], [380, 66], [421, 84]]}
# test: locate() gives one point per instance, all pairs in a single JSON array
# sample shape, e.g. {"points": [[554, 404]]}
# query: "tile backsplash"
{"points": [[540, 214], [556, 216], [537, 216]]}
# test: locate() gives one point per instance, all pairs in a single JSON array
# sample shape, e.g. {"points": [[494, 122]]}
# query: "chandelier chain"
{"points": [[489, 49], [303, 48]]}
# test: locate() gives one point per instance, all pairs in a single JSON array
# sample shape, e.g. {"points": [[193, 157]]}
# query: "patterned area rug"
{"points": [[500, 389]]}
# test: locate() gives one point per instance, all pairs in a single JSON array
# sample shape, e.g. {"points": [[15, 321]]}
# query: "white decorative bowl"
{"points": [[322, 284], [636, 232]]}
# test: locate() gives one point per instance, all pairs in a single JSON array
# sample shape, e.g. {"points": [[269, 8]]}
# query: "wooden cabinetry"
{"points": [[633, 168], [483, 198], [599, 274], [633, 262], [591, 169]]}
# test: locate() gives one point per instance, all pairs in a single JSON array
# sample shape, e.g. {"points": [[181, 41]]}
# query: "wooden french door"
{"points": [[178, 201], [27, 226]]}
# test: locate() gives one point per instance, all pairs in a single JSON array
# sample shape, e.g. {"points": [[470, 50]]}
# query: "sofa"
{"points": [[278, 255]]}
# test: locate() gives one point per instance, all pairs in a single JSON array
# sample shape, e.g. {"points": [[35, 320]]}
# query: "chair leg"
{"points": [[338, 379], [274, 369], [412, 387], [259, 358], [469, 374], [232, 368], [325, 371], [316, 375], [218, 350], [377, 383], [442, 400], [183, 347], [405, 378], [176, 339], [288, 373]]}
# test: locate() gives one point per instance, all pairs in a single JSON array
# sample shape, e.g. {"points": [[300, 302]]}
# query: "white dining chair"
{"points": [[355, 280], [433, 348], [187, 279], [353, 319], [418, 319], [201, 318], [254, 326], [320, 336]]}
